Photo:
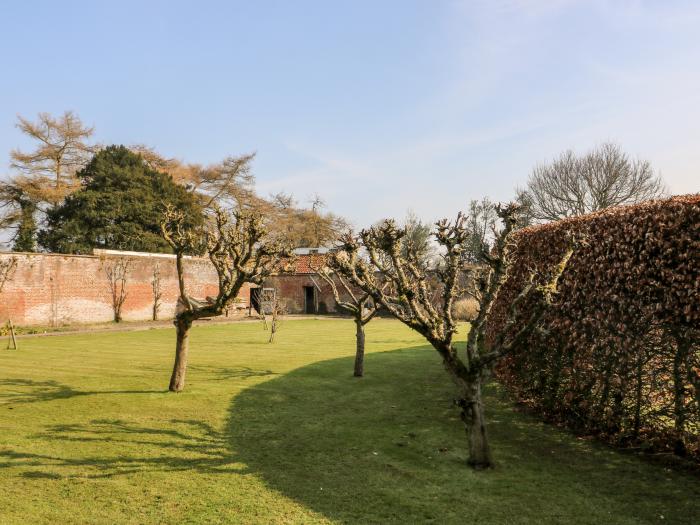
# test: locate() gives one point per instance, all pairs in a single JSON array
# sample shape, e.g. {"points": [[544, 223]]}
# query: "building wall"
{"points": [[55, 289], [291, 290]]}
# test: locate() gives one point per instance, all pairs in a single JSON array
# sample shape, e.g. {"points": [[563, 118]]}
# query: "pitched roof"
{"points": [[306, 264]]}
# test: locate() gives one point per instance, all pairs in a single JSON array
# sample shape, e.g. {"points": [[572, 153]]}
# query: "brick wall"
{"points": [[55, 289], [291, 288]]}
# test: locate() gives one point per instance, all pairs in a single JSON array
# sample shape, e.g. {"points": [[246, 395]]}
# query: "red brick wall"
{"points": [[54, 289], [291, 289]]}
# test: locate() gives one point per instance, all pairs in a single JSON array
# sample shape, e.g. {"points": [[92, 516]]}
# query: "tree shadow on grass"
{"points": [[21, 391], [218, 373], [126, 448], [214, 373], [390, 448], [105, 448]]}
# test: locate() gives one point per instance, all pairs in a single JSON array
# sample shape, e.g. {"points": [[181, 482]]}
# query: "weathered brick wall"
{"points": [[55, 289], [291, 289]]}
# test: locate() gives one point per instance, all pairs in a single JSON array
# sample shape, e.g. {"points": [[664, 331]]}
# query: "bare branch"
{"points": [[574, 185], [423, 299], [117, 274]]}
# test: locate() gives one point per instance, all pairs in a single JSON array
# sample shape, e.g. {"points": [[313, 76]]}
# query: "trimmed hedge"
{"points": [[619, 354]]}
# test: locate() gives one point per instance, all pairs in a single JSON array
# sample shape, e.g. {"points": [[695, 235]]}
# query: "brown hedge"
{"points": [[618, 355]]}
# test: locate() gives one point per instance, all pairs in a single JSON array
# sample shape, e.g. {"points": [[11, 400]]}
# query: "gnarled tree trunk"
{"points": [[177, 379], [360, 351], [473, 417], [240, 251]]}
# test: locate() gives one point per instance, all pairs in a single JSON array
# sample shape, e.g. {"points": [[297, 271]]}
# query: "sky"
{"points": [[377, 106]]}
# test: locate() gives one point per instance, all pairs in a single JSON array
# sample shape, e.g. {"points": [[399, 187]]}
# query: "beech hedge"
{"points": [[618, 354]]}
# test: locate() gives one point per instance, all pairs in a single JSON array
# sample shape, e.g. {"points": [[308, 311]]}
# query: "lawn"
{"points": [[283, 433]]}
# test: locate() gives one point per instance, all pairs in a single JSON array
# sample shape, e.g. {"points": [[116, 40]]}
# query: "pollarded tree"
{"points": [[240, 251], [357, 303], [423, 301]]}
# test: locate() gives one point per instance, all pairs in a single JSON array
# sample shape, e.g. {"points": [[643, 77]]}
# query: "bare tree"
{"points": [[60, 152], [523, 198], [277, 311], [228, 183], [8, 267], [283, 201], [117, 275], [157, 290], [571, 185], [262, 301], [357, 303], [46, 174], [417, 239], [480, 223], [317, 204], [425, 304], [302, 227], [7, 270], [266, 298], [240, 251]]}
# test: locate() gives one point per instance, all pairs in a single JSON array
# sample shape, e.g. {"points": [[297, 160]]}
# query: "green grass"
{"points": [[283, 434]]}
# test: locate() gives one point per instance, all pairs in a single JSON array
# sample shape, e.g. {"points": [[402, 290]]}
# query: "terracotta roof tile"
{"points": [[306, 264]]}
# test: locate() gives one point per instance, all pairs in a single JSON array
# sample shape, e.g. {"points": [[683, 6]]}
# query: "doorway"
{"points": [[309, 300], [255, 299]]}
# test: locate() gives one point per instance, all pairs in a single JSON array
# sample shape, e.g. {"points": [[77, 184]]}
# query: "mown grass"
{"points": [[283, 434]]}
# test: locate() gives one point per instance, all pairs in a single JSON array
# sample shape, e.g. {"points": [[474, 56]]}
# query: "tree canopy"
{"points": [[60, 152], [302, 227], [230, 184], [118, 206], [43, 176], [19, 200], [575, 185]]}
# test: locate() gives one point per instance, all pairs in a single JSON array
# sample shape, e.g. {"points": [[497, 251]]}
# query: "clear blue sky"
{"points": [[378, 106]]}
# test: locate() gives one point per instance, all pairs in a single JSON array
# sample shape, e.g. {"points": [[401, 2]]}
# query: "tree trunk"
{"points": [[25, 240], [360, 351], [177, 380], [682, 348], [639, 376], [473, 416]]}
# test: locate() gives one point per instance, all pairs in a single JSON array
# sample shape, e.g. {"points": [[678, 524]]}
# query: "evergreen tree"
{"points": [[119, 206]]}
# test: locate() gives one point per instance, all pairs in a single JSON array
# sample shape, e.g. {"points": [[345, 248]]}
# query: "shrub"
{"points": [[619, 356], [465, 309]]}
